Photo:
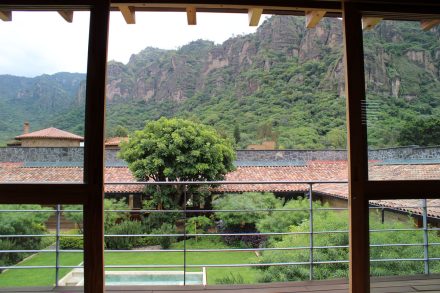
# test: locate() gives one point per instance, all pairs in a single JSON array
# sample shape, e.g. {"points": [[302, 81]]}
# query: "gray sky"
{"points": [[37, 43]]}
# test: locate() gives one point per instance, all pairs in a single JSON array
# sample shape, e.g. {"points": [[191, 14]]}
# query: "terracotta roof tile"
{"points": [[312, 171], [115, 141], [50, 132]]}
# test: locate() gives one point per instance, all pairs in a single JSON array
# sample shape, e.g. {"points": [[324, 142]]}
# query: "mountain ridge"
{"points": [[283, 82]]}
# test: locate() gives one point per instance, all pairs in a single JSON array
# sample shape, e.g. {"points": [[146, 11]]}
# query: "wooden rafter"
{"points": [[191, 15], [6, 15], [426, 25], [254, 16], [369, 22], [129, 13], [314, 17], [66, 14]]}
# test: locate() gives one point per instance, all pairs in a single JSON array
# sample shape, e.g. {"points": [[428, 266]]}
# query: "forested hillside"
{"points": [[284, 82]]}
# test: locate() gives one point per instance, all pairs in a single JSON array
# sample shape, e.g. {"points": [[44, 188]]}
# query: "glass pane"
{"points": [[404, 241], [40, 246], [403, 101], [276, 93], [42, 97]]}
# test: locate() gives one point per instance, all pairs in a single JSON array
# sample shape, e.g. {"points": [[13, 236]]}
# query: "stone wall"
{"points": [[43, 154], [76, 154], [291, 155]]}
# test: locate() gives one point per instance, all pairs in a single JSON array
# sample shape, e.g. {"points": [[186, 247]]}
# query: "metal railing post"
{"points": [[185, 189], [311, 230], [425, 236], [57, 244]]}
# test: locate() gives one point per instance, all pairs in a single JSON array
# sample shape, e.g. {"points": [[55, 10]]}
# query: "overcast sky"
{"points": [[38, 43]]}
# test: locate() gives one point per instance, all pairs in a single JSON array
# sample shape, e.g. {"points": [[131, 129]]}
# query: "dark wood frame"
{"points": [[90, 192]]}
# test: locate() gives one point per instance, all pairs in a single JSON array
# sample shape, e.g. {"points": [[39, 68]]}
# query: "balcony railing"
{"points": [[311, 263]]}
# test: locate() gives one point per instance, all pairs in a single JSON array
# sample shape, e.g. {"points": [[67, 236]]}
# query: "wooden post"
{"points": [[129, 13], [6, 15], [357, 150], [94, 148], [191, 15], [314, 17], [254, 16], [66, 14]]}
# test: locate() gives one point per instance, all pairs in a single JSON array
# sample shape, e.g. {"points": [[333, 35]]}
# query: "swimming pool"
{"points": [[141, 278]]}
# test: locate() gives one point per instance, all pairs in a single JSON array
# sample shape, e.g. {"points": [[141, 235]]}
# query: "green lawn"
{"points": [[46, 277], [39, 277]]}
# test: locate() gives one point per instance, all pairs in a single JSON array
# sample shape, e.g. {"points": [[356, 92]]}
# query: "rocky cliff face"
{"points": [[157, 75], [282, 69], [176, 75]]}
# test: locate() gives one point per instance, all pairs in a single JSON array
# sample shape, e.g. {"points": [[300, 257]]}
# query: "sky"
{"points": [[36, 43]]}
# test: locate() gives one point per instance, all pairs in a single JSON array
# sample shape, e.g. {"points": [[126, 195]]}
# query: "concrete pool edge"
{"points": [[76, 276]]}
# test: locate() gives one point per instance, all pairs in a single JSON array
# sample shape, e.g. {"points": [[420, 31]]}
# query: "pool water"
{"points": [[152, 279]]}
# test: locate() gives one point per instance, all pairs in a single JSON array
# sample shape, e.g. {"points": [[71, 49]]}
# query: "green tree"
{"points": [[337, 138], [177, 149], [237, 133], [110, 218], [265, 132], [423, 132], [198, 224], [120, 131]]}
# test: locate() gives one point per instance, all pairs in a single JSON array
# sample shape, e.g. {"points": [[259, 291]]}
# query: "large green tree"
{"points": [[422, 131], [177, 149]]}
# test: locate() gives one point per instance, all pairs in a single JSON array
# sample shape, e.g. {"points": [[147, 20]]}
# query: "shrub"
{"points": [[21, 223], [9, 258], [245, 241], [124, 242], [245, 201], [198, 224], [156, 220], [244, 222], [325, 220], [165, 241], [280, 221], [71, 242], [110, 218]]}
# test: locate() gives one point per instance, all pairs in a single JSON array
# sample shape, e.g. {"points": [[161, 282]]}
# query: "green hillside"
{"points": [[284, 82]]}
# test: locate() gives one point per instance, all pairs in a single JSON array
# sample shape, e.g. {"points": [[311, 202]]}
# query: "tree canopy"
{"points": [[177, 149], [422, 131]]}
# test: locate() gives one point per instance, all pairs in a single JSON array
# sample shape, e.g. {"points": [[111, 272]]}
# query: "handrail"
{"points": [[311, 262]]}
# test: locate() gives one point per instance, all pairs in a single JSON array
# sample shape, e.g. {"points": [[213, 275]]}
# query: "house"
{"points": [[114, 142], [48, 137]]}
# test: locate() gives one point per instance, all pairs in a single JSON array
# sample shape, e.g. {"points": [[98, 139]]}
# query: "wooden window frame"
{"points": [[361, 189], [90, 193]]}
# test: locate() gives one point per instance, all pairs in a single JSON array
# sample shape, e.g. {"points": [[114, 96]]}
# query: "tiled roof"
{"points": [[50, 132], [115, 141], [14, 174], [312, 171]]}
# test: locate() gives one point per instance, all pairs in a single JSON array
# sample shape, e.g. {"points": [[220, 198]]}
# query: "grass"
{"points": [[46, 277], [39, 277]]}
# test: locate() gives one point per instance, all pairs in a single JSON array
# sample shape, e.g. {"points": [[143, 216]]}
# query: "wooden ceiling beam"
{"points": [[426, 25], [66, 14], [254, 16], [129, 13], [370, 22], [191, 15], [314, 17], [6, 15]]}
